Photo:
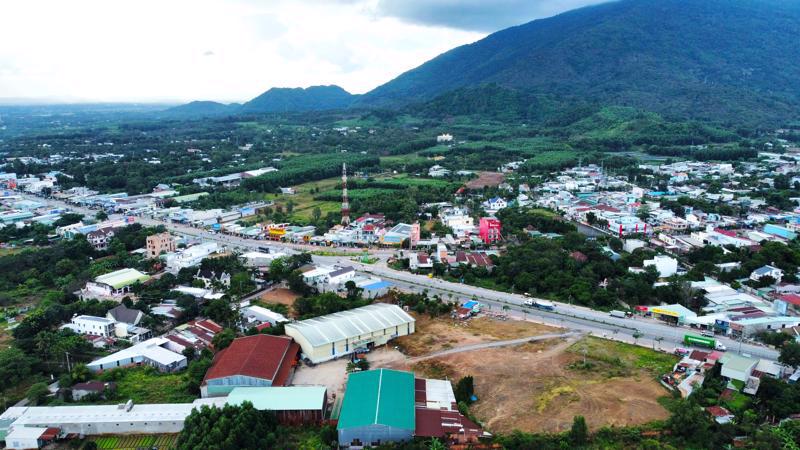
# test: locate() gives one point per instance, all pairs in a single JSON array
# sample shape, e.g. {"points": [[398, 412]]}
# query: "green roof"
{"points": [[736, 362], [189, 197], [290, 398], [122, 278], [382, 396]]}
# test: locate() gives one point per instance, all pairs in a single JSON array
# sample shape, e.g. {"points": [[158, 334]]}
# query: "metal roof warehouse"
{"points": [[327, 337]]}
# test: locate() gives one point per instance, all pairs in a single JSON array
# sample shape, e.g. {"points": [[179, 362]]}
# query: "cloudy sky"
{"points": [[232, 50]]}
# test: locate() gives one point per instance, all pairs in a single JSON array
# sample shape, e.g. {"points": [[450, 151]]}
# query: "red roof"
{"points": [[793, 299], [728, 233], [50, 433], [718, 411], [263, 325], [259, 356], [208, 325], [697, 355]]}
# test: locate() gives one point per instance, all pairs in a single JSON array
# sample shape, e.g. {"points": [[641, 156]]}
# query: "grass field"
{"points": [[147, 385], [625, 357], [304, 202], [135, 441]]}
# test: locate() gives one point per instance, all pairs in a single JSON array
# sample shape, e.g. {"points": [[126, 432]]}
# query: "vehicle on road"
{"points": [[618, 314], [544, 304], [680, 351], [707, 333], [702, 341]]}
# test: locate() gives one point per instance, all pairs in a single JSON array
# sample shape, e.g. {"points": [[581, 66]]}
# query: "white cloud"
{"points": [[145, 50]]}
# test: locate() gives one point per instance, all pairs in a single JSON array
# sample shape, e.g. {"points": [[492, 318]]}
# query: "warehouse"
{"points": [[335, 335], [259, 360], [292, 405], [378, 407]]}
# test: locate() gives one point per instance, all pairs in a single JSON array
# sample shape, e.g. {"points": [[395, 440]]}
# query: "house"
{"points": [[735, 367], [378, 407], [361, 329], [152, 352], [419, 261], [123, 314], [99, 239], [341, 275], [114, 285], [208, 277], [767, 271], [95, 388], [490, 229], [720, 414], [665, 265], [288, 190], [258, 360], [190, 256], [160, 243], [91, 325], [494, 204]]}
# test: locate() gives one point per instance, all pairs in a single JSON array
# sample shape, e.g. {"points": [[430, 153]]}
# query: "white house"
{"points": [[341, 275], [767, 271], [191, 256], [665, 265], [92, 325], [495, 204]]}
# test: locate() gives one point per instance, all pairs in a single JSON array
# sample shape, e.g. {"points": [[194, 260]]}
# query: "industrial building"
{"points": [[260, 360], [113, 285], [335, 335], [378, 407], [292, 405]]}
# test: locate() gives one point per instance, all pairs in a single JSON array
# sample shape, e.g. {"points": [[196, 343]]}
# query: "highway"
{"points": [[653, 333]]}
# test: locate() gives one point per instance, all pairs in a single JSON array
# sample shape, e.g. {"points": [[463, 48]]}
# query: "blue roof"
{"points": [[378, 285], [470, 304]]}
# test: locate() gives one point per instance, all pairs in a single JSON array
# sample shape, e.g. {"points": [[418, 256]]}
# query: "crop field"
{"points": [[304, 202], [147, 385], [541, 386], [136, 442]]}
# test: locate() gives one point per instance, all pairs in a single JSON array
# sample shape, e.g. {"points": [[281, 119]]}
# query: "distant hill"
{"points": [[314, 98], [725, 60], [203, 108]]}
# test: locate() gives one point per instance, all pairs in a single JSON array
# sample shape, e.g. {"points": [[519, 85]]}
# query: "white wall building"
{"points": [[190, 257], [665, 265], [92, 325]]}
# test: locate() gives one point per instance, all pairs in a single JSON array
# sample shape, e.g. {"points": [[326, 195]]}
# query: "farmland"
{"points": [[135, 442]]}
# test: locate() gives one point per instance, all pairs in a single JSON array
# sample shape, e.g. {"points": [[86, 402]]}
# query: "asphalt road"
{"points": [[652, 332]]}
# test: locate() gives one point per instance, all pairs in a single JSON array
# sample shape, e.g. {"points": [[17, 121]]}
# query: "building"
{"points": [[767, 271], [494, 204], [92, 325], [160, 243], [335, 335], [99, 239], [190, 257], [259, 360], [152, 352], [378, 407], [114, 285], [489, 229], [665, 265], [98, 388], [735, 367], [292, 405]]}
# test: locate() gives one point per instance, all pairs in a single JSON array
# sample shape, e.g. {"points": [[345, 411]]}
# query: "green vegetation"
{"points": [[135, 442], [148, 385], [625, 357]]}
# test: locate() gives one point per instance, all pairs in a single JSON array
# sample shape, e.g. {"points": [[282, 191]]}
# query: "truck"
{"points": [[544, 304], [618, 314], [701, 341]]}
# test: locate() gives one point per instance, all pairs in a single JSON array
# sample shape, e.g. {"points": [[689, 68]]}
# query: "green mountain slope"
{"points": [[314, 98], [727, 60]]}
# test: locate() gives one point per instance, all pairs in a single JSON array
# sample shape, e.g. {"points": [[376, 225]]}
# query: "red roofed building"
{"points": [[259, 360], [437, 415]]}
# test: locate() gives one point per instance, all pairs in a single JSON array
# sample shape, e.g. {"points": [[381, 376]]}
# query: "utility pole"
{"points": [[345, 200]]}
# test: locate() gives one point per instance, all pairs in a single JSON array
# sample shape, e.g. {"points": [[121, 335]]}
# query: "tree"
{"points": [[316, 213], [37, 393], [15, 366], [230, 427], [219, 310], [790, 354], [465, 389], [643, 212], [579, 433], [101, 215], [223, 339]]}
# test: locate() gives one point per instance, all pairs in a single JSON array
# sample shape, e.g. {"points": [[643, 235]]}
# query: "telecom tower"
{"points": [[345, 201]]}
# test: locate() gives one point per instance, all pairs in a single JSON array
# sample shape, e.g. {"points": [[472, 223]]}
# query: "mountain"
{"points": [[203, 108], [724, 60], [314, 98]]}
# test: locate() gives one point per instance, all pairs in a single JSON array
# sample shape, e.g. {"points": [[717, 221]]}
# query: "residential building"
{"points": [[92, 325], [152, 352], [97, 388], [767, 271], [160, 243], [99, 239], [190, 256], [490, 229], [665, 265]]}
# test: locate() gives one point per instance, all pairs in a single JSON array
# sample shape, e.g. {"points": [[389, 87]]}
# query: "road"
{"points": [[650, 332]]}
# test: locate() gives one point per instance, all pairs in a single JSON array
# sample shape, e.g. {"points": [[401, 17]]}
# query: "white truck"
{"points": [[618, 314]]}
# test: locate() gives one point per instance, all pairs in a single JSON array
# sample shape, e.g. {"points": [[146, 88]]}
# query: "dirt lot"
{"points": [[485, 179], [280, 295], [541, 386], [444, 333], [332, 374]]}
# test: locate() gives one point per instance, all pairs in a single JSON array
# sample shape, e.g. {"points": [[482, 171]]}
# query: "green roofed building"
{"points": [[292, 405], [378, 407], [114, 284]]}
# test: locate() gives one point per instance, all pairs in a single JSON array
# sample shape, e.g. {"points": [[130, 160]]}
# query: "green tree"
{"points": [[101, 215], [579, 433], [223, 339], [790, 354], [465, 389], [37, 393]]}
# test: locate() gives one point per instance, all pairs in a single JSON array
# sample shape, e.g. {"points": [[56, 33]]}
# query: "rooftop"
{"points": [[347, 324], [289, 398], [259, 356], [121, 278], [379, 397]]}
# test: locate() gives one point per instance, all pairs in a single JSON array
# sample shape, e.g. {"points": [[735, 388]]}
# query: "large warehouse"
{"points": [[328, 337], [378, 407], [260, 360]]}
